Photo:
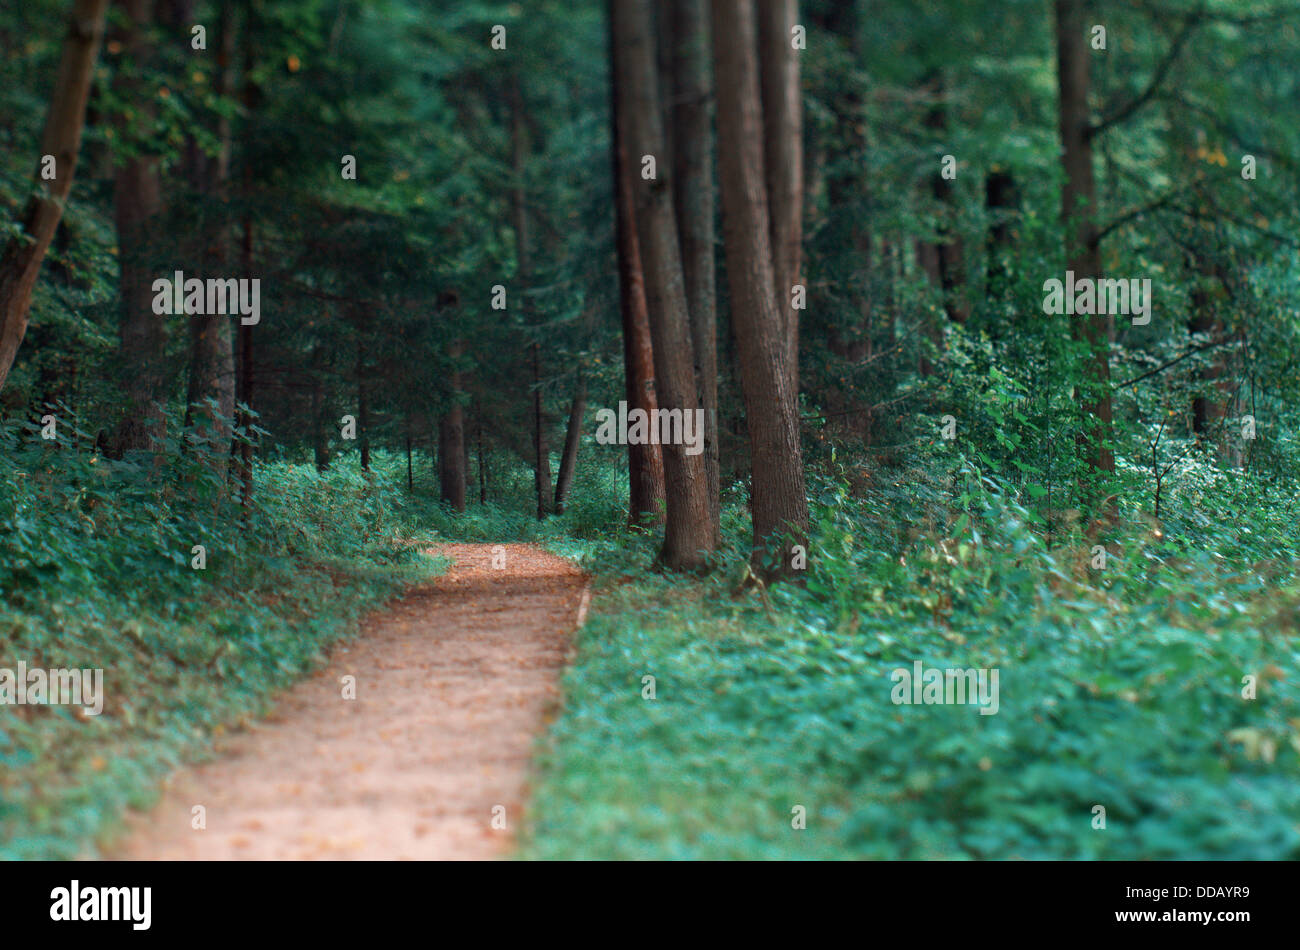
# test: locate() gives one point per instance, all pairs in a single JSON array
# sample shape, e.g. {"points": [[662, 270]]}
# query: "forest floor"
{"points": [[453, 683]]}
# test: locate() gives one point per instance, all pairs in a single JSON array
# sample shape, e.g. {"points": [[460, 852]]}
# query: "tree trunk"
{"points": [[646, 502], [572, 439], [949, 260], [212, 357], [779, 502], [687, 534], [250, 96], [782, 120], [21, 262], [320, 446], [482, 466], [363, 399], [137, 201], [693, 193], [451, 439], [244, 386], [519, 209], [1078, 218], [541, 451]]}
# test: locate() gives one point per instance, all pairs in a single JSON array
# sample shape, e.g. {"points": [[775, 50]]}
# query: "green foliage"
{"points": [[1119, 687], [95, 573]]}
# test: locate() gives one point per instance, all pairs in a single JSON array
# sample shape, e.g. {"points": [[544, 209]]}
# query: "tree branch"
{"points": [[1160, 369], [1162, 70]]}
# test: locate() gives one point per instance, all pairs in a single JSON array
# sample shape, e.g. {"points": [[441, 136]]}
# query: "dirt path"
{"points": [[452, 684]]}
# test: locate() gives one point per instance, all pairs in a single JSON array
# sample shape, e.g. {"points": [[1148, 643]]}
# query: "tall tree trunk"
{"points": [[21, 263], [687, 534], [572, 439], [694, 204], [782, 120], [780, 505], [646, 502], [137, 201], [250, 96], [1078, 217], [523, 272], [451, 438], [212, 359]]}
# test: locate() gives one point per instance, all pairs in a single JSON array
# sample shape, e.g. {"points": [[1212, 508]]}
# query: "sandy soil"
{"points": [[452, 685]]}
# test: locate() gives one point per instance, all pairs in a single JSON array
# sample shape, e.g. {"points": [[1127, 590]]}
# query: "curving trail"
{"points": [[453, 683]]}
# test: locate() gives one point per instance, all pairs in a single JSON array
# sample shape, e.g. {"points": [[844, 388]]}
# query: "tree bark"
{"points": [[687, 535], [250, 96], [949, 259], [779, 502], [646, 502], [482, 463], [451, 439], [363, 398], [320, 446], [694, 204], [572, 439], [783, 160], [137, 201], [212, 356], [21, 262], [1078, 217], [541, 451]]}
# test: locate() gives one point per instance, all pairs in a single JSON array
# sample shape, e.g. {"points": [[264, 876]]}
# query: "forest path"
{"points": [[453, 682]]}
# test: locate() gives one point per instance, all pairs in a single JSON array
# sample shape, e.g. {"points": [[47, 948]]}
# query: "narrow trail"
{"points": [[453, 683]]}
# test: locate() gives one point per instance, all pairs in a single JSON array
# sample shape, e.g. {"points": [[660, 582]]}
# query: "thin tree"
{"points": [[523, 271], [646, 501], [572, 439], [451, 436], [1079, 219]]}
